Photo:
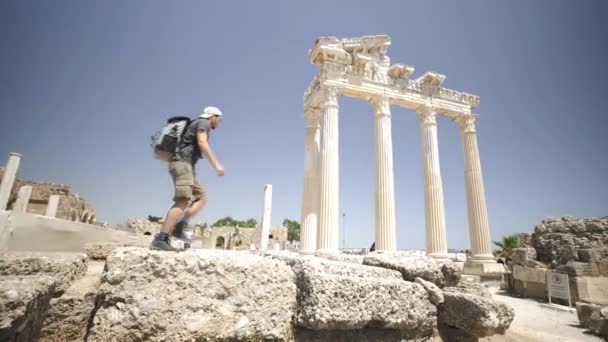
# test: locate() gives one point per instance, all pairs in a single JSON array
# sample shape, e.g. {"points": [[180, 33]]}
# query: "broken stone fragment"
{"points": [[466, 309], [66, 267], [69, 315], [434, 292], [412, 266]]}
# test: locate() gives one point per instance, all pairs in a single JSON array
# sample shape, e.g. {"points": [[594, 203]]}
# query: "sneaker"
{"points": [[183, 233], [161, 242]]}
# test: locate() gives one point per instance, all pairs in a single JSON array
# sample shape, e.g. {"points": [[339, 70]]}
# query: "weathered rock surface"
{"points": [[143, 226], [413, 266], [335, 296], [474, 314], [353, 258], [521, 256], [194, 295], [359, 335], [24, 302], [434, 292], [69, 316], [66, 267], [101, 250], [559, 238]]}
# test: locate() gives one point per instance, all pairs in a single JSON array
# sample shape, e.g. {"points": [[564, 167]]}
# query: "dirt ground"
{"points": [[536, 323]]}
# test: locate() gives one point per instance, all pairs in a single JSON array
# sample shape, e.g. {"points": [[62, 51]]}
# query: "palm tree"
{"points": [[507, 243]]}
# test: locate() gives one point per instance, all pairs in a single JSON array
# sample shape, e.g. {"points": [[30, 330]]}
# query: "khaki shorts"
{"points": [[186, 186]]}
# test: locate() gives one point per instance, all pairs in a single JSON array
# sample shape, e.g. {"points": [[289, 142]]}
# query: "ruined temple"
{"points": [[72, 206]]}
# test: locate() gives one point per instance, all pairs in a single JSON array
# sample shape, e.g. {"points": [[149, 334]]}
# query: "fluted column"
{"points": [[385, 235], [436, 240], [327, 235], [310, 195], [479, 227], [266, 216]]}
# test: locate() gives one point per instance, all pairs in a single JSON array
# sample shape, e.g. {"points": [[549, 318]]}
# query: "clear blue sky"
{"points": [[84, 85]]}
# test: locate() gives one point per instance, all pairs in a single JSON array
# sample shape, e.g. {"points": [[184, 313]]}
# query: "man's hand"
{"points": [[220, 170]]}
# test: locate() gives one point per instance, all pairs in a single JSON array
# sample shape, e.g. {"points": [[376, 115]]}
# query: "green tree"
{"points": [[507, 243], [293, 229], [228, 221]]}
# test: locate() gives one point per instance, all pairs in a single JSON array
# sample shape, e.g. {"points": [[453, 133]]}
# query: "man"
{"points": [[190, 197]]}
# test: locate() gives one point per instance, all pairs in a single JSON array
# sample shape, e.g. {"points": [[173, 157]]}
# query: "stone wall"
{"points": [[557, 239], [239, 238], [72, 206]]}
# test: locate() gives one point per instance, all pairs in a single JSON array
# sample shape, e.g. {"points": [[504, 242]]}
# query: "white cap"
{"points": [[209, 112]]}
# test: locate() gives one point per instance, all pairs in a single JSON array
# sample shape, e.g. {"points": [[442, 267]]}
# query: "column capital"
{"points": [[427, 116], [466, 122], [330, 96], [381, 105]]}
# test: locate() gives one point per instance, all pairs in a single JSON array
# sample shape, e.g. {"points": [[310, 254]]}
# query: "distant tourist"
{"points": [[373, 247], [190, 197]]}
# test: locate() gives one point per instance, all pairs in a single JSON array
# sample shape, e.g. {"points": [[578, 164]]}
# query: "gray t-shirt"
{"points": [[188, 150]]}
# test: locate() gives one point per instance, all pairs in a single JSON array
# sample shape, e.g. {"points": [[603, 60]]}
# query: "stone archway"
{"points": [[220, 242]]}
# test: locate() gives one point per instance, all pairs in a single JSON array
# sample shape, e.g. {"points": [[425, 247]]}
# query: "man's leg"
{"points": [[174, 215], [200, 200], [183, 178]]}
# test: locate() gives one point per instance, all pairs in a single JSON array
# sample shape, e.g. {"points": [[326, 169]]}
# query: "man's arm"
{"points": [[205, 148]]}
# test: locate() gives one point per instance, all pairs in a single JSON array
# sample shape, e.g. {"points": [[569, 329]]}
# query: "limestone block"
{"points": [[66, 267], [596, 290], [483, 269], [535, 264], [24, 302], [586, 312], [474, 314], [345, 300], [579, 269], [521, 255], [202, 295], [357, 335], [69, 315], [529, 274], [412, 266], [593, 317]]}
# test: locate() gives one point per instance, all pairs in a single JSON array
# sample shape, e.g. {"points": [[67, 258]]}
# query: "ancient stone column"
{"points": [[329, 178], [23, 198], [479, 227], [385, 234], [436, 240], [265, 230], [8, 178], [51, 208], [310, 196]]}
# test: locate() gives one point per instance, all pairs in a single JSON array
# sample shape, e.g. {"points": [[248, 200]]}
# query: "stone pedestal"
{"points": [[51, 208], [385, 237], [329, 181], [479, 227], [485, 271], [310, 197], [265, 231], [23, 198], [436, 240], [10, 172]]}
